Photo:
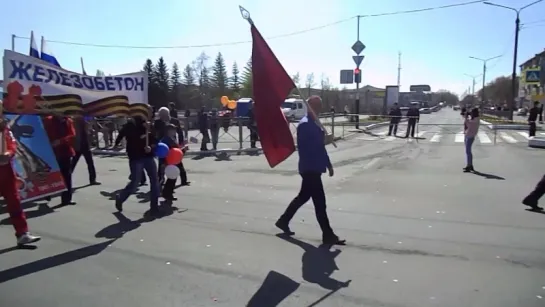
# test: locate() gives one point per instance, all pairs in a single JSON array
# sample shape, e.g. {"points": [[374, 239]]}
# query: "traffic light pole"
{"points": [[357, 102]]}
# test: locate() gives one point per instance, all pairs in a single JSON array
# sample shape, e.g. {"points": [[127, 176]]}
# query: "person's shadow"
{"points": [[318, 263], [123, 226], [487, 176]]}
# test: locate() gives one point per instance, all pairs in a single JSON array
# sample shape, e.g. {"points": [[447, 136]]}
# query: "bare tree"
{"points": [[309, 82]]}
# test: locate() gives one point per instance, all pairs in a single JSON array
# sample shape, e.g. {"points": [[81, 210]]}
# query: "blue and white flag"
{"points": [[33, 47], [47, 55]]}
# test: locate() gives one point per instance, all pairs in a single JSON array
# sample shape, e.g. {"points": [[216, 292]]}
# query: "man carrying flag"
{"points": [[271, 86]]}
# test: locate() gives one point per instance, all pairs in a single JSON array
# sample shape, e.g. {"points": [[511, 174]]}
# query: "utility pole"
{"points": [[399, 70], [483, 95], [13, 42], [515, 51]]}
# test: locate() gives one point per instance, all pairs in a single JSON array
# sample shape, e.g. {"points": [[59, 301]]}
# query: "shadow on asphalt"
{"points": [[488, 176], [53, 261], [536, 211], [318, 263], [274, 289]]}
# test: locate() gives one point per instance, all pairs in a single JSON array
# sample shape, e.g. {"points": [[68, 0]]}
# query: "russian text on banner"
{"points": [[35, 87]]}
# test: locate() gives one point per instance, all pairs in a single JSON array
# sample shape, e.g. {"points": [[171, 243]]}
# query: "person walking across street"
{"points": [[82, 147], [140, 146], [532, 119], [313, 162], [395, 118], [214, 125], [202, 121], [532, 199], [122, 135], [413, 114], [170, 140], [61, 133], [160, 127], [471, 128], [8, 187]]}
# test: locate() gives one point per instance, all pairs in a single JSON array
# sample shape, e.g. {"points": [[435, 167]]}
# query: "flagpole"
{"points": [[246, 16], [13, 42]]}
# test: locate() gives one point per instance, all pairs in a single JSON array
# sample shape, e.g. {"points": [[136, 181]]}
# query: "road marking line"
{"points": [[382, 133], [460, 137], [390, 138], [542, 133], [371, 163], [435, 138], [421, 134], [483, 138], [506, 137], [524, 134]]}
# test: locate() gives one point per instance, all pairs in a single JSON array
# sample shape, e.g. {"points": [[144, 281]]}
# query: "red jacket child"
{"points": [[8, 187]]}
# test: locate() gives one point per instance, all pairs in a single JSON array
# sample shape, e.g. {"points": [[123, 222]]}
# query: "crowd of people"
{"points": [[70, 140]]}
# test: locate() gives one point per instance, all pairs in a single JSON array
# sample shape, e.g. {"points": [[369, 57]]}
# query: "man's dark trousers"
{"points": [[86, 153], [538, 192], [311, 187], [532, 129], [65, 168], [411, 127]]}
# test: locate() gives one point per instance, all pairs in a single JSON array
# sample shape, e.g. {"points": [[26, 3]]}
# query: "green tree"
{"points": [[296, 79], [219, 78], [203, 77], [175, 81], [247, 80], [153, 90], [163, 80], [235, 79], [100, 73], [188, 76]]}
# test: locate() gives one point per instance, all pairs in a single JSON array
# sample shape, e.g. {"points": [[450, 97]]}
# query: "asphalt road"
{"points": [[420, 233]]}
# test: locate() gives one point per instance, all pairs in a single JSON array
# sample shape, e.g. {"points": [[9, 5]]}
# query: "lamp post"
{"points": [[483, 96], [473, 77], [517, 30]]}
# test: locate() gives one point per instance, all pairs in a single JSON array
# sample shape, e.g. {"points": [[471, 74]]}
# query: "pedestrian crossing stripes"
{"points": [[483, 137]]}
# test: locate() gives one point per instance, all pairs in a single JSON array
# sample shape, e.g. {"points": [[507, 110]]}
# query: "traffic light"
{"points": [[357, 75]]}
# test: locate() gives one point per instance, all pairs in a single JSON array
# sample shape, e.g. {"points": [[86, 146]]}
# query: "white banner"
{"points": [[34, 86]]}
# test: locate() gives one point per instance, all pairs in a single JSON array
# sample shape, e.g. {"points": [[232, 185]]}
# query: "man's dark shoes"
{"points": [[468, 169], [532, 204], [284, 227], [333, 240], [170, 197], [94, 182], [187, 183]]}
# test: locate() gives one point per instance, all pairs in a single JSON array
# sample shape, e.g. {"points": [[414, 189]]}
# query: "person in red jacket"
{"points": [[8, 186], [61, 133]]}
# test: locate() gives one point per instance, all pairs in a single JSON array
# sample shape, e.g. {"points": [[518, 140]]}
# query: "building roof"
{"points": [[527, 62]]}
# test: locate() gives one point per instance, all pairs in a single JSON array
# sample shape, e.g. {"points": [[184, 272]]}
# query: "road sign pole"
{"points": [[357, 102]]}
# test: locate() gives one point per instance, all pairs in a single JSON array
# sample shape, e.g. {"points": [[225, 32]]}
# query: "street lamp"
{"points": [[484, 73], [517, 30], [473, 84]]}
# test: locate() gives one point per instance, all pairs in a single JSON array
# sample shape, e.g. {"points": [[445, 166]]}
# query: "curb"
{"points": [[508, 126], [536, 142]]}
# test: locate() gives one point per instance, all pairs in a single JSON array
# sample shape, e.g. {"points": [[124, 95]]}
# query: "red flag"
{"points": [[271, 86]]}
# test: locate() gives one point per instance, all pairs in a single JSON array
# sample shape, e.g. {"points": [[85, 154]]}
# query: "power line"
{"points": [[272, 37]]}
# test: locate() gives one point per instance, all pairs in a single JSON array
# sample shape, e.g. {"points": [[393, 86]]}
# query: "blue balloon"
{"points": [[161, 151]]}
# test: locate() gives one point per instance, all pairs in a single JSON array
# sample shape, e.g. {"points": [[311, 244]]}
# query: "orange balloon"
{"points": [[174, 156], [224, 100], [232, 104]]}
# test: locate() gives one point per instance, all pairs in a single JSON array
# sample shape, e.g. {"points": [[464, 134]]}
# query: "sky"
{"points": [[435, 45]]}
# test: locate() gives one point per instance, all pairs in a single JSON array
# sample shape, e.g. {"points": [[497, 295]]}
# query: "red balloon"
{"points": [[174, 156]]}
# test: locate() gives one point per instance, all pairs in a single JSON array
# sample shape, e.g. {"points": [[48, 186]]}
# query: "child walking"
{"points": [[170, 141]]}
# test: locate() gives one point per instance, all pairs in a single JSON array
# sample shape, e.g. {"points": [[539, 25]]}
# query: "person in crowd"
{"points": [[214, 125], [140, 145], [160, 127], [414, 117], [172, 110], [313, 162], [532, 199], [203, 128], [120, 137], [170, 139], [395, 118], [61, 133], [471, 128], [82, 146], [8, 187], [252, 126], [532, 119], [541, 114]]}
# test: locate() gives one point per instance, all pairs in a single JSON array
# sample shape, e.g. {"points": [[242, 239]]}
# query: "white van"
{"points": [[294, 108]]}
